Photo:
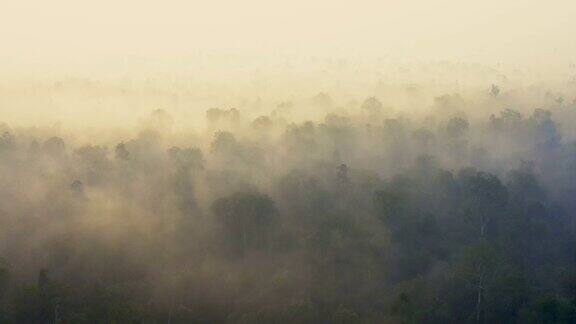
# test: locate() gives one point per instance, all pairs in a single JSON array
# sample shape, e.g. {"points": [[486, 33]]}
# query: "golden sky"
{"points": [[143, 39], [512, 29]]}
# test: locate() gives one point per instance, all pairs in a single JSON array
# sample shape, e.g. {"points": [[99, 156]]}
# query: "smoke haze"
{"points": [[287, 162]]}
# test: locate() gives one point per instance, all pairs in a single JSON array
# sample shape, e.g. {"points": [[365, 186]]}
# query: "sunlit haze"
{"points": [[252, 161]]}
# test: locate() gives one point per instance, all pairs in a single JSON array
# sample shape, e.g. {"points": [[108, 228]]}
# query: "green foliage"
{"points": [[187, 238], [247, 220]]}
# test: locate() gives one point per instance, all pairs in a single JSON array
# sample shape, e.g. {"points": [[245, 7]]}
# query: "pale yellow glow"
{"points": [[420, 29], [119, 59]]}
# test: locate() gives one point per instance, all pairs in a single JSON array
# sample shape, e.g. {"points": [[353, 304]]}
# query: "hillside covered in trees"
{"points": [[463, 214]]}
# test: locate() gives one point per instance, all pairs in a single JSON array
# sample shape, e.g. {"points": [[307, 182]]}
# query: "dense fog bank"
{"points": [[416, 203]]}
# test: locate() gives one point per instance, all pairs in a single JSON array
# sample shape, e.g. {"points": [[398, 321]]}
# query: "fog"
{"points": [[71, 34], [261, 162]]}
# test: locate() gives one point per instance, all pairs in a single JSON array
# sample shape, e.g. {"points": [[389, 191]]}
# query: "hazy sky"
{"points": [[430, 29], [140, 40]]}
